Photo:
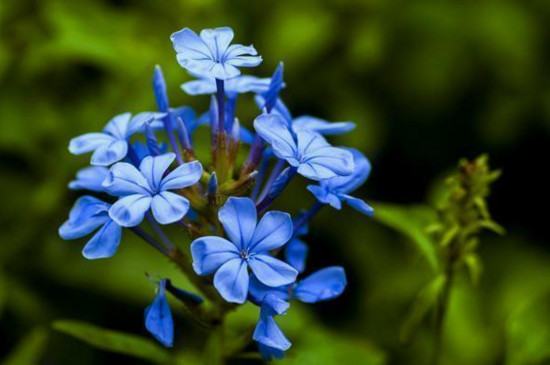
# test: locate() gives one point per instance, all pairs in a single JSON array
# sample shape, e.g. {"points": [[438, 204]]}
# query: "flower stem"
{"points": [[274, 174], [274, 193], [221, 105], [164, 238], [150, 240]]}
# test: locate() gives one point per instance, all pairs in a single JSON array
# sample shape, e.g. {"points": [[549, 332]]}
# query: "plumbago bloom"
{"points": [[149, 188], [248, 246], [111, 145], [144, 175]]}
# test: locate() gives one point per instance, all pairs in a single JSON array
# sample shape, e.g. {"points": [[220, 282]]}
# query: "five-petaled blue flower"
{"points": [[324, 284], [336, 190], [248, 246], [87, 215], [149, 188], [210, 55], [158, 317], [309, 152], [112, 145], [272, 342]]}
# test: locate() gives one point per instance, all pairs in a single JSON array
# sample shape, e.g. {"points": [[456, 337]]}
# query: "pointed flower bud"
{"points": [[213, 184], [159, 88], [151, 139]]}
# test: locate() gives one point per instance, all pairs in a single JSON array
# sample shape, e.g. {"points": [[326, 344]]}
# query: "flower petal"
{"points": [[258, 290], [89, 142], [325, 196], [138, 121], [183, 176], [319, 160], [358, 204], [190, 45], [125, 179], [110, 153], [271, 271], [347, 184], [130, 210], [210, 252], [325, 284], [296, 254], [118, 126], [312, 124], [203, 86], [274, 130], [231, 280], [90, 178], [238, 217], [87, 214], [273, 231], [217, 40], [158, 318], [153, 168], [104, 243], [169, 207], [270, 353], [267, 332]]}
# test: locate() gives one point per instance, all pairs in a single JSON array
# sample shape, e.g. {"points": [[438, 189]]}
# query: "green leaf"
{"points": [[411, 221], [114, 341], [29, 350], [424, 301]]}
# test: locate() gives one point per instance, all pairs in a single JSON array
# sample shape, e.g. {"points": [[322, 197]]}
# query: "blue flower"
{"points": [[237, 85], [210, 55], [88, 215], [309, 152], [90, 178], [158, 318], [248, 246], [324, 284], [149, 188], [142, 150], [335, 191], [111, 145], [272, 341]]}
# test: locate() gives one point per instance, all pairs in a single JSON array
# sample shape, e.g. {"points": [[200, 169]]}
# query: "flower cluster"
{"points": [[146, 174]]}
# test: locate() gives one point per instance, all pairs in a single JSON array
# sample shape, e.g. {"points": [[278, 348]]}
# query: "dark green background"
{"points": [[426, 81]]}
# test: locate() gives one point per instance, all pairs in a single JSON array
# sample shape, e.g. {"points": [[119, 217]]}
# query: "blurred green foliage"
{"points": [[426, 81]]}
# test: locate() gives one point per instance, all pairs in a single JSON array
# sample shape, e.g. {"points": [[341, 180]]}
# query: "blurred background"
{"points": [[427, 82]]}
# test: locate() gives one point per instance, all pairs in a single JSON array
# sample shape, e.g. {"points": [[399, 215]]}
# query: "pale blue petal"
{"points": [[158, 318], [118, 126], [130, 210], [239, 217], [347, 184], [202, 86], [273, 231], [258, 290], [87, 214], [109, 153], [320, 160], [271, 271], [190, 45], [268, 333], [217, 40], [183, 176], [104, 243], [273, 304], [90, 178], [325, 196], [312, 124], [153, 168], [274, 130], [325, 284], [358, 204], [279, 108], [244, 61], [231, 281], [210, 252], [138, 121], [236, 50], [125, 179], [245, 83], [89, 142], [168, 207], [296, 254]]}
